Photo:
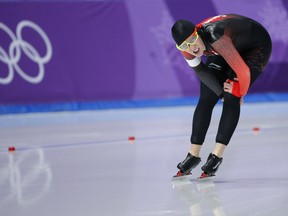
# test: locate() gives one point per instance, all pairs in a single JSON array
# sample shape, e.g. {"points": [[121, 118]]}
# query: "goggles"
{"points": [[190, 41]]}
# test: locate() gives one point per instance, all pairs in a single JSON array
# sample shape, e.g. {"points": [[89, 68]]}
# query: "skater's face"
{"points": [[193, 45], [197, 49]]}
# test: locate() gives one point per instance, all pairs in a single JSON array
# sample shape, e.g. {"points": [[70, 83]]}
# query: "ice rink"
{"points": [[82, 163]]}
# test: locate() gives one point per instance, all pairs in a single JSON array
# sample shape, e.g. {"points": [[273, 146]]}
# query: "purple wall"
{"points": [[74, 51]]}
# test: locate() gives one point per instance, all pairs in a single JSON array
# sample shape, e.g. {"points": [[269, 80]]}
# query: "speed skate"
{"points": [[182, 177], [209, 168]]}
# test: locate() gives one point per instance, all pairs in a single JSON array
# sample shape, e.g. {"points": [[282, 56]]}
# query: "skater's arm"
{"points": [[205, 75], [226, 49]]}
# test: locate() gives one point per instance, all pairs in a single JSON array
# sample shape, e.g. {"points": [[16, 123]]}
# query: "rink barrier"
{"points": [[102, 105]]}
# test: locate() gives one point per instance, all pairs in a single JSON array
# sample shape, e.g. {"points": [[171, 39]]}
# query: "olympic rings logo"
{"points": [[18, 46]]}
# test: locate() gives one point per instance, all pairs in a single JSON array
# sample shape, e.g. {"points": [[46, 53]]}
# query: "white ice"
{"points": [[81, 163]]}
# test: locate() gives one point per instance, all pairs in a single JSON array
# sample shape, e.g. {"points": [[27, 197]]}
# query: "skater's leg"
{"points": [[201, 121], [229, 119], [228, 122], [202, 118]]}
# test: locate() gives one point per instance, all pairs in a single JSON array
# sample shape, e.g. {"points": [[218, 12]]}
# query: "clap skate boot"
{"points": [[211, 166], [187, 165]]}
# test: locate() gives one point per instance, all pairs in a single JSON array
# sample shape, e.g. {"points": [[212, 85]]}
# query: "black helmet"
{"points": [[181, 30]]}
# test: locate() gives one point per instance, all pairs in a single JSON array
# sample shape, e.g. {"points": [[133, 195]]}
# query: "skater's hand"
{"points": [[232, 87], [228, 87]]}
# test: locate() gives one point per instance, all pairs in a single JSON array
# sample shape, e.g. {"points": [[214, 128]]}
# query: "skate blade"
{"points": [[181, 178], [206, 178], [180, 181]]}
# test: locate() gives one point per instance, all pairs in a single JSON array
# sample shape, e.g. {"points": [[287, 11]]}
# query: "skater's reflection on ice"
{"points": [[201, 197], [25, 177]]}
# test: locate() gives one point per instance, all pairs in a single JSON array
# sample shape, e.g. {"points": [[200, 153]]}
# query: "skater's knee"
{"points": [[231, 100], [205, 104]]}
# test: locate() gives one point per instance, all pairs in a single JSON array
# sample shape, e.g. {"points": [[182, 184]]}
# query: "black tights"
{"points": [[203, 112]]}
